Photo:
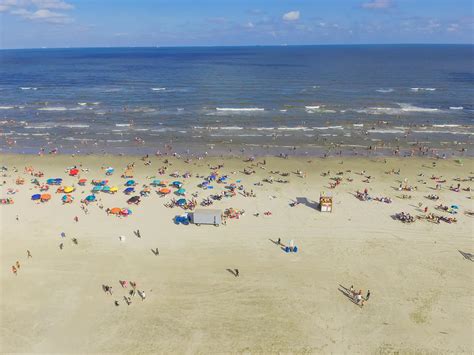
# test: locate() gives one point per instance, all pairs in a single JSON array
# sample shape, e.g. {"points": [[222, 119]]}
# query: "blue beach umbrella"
{"points": [[181, 202], [156, 183], [181, 191], [106, 189], [129, 190], [90, 198], [36, 197], [177, 183], [130, 183], [58, 181], [50, 181], [97, 188]]}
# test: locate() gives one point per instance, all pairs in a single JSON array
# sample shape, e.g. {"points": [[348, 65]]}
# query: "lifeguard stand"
{"points": [[325, 202]]}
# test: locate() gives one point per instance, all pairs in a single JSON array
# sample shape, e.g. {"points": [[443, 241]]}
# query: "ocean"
{"points": [[240, 99]]}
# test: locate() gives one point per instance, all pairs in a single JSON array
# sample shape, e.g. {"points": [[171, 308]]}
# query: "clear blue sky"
{"points": [[90, 23]]}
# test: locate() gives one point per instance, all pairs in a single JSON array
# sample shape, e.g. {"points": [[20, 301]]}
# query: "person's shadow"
{"points": [[346, 292], [467, 256], [232, 272]]}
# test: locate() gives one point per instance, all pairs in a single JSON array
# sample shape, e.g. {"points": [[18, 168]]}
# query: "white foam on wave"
{"points": [[28, 88], [232, 128], [123, 124], [387, 131], [328, 127], [299, 128], [243, 109], [445, 125], [58, 108], [312, 107], [402, 109], [283, 110], [411, 108], [445, 132], [158, 89], [6, 107], [358, 125], [422, 89], [318, 109], [75, 126], [384, 91], [456, 108]]}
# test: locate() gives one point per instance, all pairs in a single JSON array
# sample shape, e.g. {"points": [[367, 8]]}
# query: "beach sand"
{"points": [[421, 285]]}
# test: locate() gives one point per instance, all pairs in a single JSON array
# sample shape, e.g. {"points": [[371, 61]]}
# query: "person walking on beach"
{"points": [[279, 241], [14, 269], [351, 290], [368, 295], [236, 272], [61, 246], [29, 254]]}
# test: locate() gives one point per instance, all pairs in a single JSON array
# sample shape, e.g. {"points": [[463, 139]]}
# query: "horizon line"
{"points": [[249, 45]]}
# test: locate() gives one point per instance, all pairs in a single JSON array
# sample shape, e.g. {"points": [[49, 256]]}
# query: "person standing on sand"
{"points": [[61, 246], [351, 290], [28, 254], [368, 295], [236, 272], [279, 241], [14, 269]]}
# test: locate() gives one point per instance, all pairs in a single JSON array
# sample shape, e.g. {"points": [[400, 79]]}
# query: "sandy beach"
{"points": [[419, 274]]}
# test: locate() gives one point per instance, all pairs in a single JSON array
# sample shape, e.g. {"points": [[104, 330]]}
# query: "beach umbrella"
{"points": [[133, 199], [156, 182], [125, 212], [129, 190], [106, 189], [113, 189], [181, 202], [82, 182], [164, 191], [36, 197], [73, 172], [164, 183], [130, 183], [455, 207], [45, 197], [181, 191], [115, 210], [109, 171], [68, 189], [58, 181], [90, 198], [97, 188], [50, 181], [177, 183]]}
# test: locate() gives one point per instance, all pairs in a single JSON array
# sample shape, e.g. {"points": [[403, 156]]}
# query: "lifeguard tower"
{"points": [[325, 202]]}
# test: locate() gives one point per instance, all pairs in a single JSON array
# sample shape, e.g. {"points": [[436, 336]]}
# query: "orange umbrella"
{"points": [[45, 197], [115, 210], [164, 191]]}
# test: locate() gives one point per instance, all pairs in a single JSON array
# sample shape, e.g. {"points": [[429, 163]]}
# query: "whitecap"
{"points": [[158, 89], [456, 108], [384, 90], [232, 128], [422, 89], [76, 126], [59, 108], [445, 125], [6, 107], [123, 124], [243, 109], [28, 88]]}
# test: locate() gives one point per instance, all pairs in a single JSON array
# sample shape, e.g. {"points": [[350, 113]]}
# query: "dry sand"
{"points": [[421, 286]]}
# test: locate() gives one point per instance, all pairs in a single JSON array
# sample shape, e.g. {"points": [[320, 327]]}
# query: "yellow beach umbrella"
{"points": [[68, 189], [114, 189]]}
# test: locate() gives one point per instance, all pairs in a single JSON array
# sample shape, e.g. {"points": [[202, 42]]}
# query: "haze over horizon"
{"points": [[146, 23]]}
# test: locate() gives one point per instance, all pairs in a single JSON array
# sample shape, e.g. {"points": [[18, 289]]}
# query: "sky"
{"points": [[115, 23]]}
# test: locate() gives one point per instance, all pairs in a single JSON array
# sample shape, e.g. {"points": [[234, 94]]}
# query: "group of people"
{"points": [[357, 296], [131, 293]]}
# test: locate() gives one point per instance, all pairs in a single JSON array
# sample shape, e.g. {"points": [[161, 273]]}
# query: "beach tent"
{"points": [[130, 183], [68, 189], [90, 198], [45, 197], [36, 197], [164, 191], [181, 202], [181, 191]]}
